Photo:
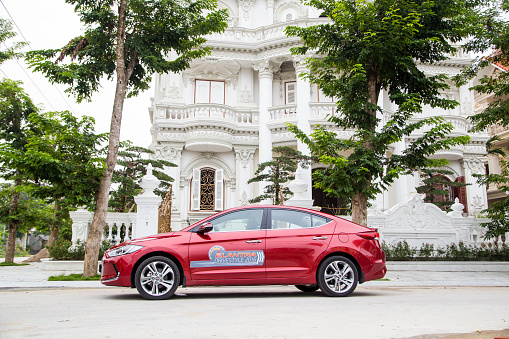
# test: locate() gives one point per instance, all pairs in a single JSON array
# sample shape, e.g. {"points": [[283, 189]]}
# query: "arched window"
{"points": [[207, 190], [289, 17]]}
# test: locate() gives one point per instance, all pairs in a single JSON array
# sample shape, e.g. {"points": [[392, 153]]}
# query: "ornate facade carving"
{"points": [[246, 96], [244, 156], [168, 153], [474, 164], [246, 6]]}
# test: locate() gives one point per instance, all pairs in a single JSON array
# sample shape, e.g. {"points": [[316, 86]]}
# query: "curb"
{"points": [[448, 266]]}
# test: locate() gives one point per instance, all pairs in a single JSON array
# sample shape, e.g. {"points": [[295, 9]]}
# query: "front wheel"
{"points": [[157, 278], [337, 276], [307, 288]]}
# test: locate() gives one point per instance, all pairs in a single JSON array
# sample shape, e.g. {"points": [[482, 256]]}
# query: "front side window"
{"points": [[246, 220], [290, 219]]}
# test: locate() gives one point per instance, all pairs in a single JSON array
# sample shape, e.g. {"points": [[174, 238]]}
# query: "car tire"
{"points": [[308, 288], [337, 276], [157, 278]]}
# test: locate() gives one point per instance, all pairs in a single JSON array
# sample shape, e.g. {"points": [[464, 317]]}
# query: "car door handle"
{"points": [[253, 241], [319, 238]]}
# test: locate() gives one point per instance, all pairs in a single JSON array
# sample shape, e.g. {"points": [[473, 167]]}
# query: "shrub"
{"points": [[63, 249], [403, 251], [427, 250], [460, 252]]}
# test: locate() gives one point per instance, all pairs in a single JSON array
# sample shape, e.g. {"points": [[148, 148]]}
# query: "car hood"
{"points": [[144, 239]]}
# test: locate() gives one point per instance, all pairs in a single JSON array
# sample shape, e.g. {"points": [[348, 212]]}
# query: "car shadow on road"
{"points": [[196, 294]]}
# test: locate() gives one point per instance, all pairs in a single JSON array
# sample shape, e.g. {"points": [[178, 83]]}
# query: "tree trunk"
{"points": [[12, 228], [53, 234], [360, 199], [360, 209], [98, 222]]}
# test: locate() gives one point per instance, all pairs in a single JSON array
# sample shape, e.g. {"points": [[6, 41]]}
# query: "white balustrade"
{"points": [[210, 111], [119, 226], [283, 113], [261, 34], [322, 110]]}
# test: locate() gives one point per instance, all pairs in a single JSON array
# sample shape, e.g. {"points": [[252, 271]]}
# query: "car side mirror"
{"points": [[205, 228]]}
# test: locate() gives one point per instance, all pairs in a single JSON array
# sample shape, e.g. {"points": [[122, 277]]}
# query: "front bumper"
{"points": [[116, 271]]}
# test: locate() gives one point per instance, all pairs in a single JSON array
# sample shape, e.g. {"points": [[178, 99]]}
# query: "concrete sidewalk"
{"points": [[33, 276]]}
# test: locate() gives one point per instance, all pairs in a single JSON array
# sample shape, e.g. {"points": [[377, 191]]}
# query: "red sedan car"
{"points": [[253, 245]]}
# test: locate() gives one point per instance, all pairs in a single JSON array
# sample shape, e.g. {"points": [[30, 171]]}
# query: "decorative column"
{"points": [[477, 199], [148, 206], [270, 12], [265, 70], [303, 116], [244, 169]]}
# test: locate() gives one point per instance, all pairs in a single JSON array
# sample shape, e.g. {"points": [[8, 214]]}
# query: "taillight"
{"points": [[369, 235]]}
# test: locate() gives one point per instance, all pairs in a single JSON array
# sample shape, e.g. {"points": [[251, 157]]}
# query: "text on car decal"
{"points": [[220, 257]]}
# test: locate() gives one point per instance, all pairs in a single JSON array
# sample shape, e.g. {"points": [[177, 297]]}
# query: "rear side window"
{"points": [[291, 219]]}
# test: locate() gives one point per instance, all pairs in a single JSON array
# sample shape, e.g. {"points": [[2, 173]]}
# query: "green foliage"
{"points": [[438, 188], [498, 212], [491, 34], [152, 30], [277, 172], [73, 277], [62, 249], [31, 212], [6, 33], [370, 46], [461, 252], [130, 169]]}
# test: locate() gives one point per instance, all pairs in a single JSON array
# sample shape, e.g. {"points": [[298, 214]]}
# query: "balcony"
{"points": [[204, 114]]}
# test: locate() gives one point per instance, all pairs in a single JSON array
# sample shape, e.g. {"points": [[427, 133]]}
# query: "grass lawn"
{"points": [[73, 277], [12, 264], [383, 279]]}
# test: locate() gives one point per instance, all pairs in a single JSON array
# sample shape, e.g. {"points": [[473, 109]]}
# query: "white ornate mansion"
{"points": [[221, 117]]}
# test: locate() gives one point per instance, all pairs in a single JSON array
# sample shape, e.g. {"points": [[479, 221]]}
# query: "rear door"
{"points": [[234, 249], [295, 239]]}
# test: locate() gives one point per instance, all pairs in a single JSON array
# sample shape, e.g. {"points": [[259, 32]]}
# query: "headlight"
{"points": [[123, 250]]}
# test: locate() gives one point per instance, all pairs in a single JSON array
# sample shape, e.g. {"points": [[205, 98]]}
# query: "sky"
{"points": [[49, 24]]}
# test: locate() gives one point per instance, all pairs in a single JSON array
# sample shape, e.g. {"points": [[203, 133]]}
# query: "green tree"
{"points": [[277, 172], [131, 168], [370, 46], [129, 39], [437, 187], [492, 34], [63, 158], [15, 107]]}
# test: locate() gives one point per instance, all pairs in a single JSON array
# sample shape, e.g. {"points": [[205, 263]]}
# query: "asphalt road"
{"points": [[254, 312]]}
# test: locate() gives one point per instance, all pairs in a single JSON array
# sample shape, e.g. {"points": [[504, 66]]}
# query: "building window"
{"points": [[207, 190], [209, 92], [289, 17], [290, 93]]}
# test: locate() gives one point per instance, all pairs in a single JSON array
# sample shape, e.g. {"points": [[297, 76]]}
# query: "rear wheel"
{"points": [[307, 288], [157, 278], [337, 276]]}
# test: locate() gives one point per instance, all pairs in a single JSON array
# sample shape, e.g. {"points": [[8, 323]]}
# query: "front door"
{"points": [[234, 249]]}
